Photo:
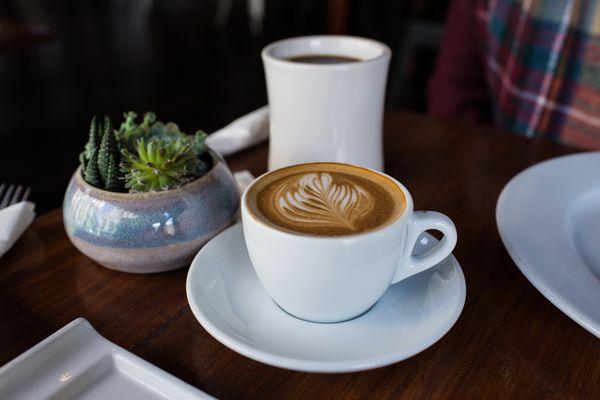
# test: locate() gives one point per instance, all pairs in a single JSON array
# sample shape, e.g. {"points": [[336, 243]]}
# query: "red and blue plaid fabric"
{"points": [[542, 59]]}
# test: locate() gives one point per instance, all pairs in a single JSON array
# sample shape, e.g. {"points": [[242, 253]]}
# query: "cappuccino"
{"points": [[325, 199]]}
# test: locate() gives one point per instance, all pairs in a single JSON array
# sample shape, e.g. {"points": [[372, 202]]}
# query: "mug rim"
{"points": [[408, 209], [267, 53]]}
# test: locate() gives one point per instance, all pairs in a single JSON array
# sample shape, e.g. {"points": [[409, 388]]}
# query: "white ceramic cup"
{"points": [[335, 278], [326, 112]]}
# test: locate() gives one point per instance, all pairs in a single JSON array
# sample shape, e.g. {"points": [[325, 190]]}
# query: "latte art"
{"points": [[325, 199], [316, 198]]}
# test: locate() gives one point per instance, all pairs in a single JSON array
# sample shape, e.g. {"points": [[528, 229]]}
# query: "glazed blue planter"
{"points": [[154, 231]]}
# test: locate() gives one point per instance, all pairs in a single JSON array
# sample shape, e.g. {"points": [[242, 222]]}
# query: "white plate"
{"points": [[549, 219], [77, 363], [228, 300]]}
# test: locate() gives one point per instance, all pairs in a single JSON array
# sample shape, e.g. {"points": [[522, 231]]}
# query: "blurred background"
{"points": [[196, 62]]}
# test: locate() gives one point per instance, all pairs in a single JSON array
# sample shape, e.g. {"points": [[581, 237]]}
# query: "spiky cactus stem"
{"points": [[91, 173], [92, 144], [101, 158], [109, 149], [95, 138], [114, 181]]}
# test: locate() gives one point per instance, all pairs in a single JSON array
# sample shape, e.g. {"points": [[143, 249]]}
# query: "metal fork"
{"points": [[12, 194]]}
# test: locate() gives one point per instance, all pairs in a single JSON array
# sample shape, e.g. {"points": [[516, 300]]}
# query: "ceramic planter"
{"points": [[150, 232]]}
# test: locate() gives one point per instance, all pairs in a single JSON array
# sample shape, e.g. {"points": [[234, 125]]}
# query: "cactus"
{"points": [[109, 149], [114, 177], [91, 173], [93, 143], [101, 157]]}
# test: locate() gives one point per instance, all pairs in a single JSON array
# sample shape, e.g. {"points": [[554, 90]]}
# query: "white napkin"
{"points": [[242, 133], [13, 222], [243, 179]]}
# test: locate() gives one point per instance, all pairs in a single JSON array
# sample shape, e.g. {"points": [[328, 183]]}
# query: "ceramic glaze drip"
{"points": [[318, 199]]}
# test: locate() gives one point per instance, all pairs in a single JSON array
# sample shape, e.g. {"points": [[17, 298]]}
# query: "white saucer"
{"points": [[228, 300]]}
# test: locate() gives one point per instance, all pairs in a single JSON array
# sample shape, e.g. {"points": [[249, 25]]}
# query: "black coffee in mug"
{"points": [[323, 59]]}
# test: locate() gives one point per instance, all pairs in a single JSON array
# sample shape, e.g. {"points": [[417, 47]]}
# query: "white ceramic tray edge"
{"points": [[91, 334]]}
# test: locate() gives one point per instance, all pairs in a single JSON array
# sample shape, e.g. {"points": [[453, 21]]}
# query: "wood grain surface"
{"points": [[510, 342]]}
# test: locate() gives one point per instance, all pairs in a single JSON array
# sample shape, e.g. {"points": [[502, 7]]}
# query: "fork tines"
{"points": [[12, 194]]}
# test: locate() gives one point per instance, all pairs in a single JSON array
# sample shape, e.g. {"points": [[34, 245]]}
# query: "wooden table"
{"points": [[510, 342]]}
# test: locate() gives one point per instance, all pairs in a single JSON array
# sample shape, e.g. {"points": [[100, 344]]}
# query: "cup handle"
{"points": [[422, 221]]}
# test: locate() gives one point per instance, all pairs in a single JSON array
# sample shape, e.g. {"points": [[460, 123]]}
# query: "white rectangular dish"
{"points": [[77, 363]]}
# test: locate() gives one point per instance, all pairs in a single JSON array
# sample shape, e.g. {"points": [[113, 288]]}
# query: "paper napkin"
{"points": [[242, 133], [13, 222], [243, 179]]}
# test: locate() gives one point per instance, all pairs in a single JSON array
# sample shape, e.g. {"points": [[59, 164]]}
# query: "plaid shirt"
{"points": [[540, 62]]}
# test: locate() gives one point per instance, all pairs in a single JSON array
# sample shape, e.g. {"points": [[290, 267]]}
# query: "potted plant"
{"points": [[147, 196]]}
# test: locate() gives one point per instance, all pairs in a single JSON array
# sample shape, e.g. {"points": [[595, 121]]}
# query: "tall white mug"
{"points": [[326, 112]]}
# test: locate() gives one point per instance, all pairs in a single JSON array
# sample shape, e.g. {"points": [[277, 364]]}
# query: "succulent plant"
{"points": [[101, 158], [151, 156], [158, 165], [130, 132], [93, 143], [91, 173]]}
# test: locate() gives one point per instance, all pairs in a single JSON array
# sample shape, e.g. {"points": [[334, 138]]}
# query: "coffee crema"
{"points": [[325, 199], [323, 59]]}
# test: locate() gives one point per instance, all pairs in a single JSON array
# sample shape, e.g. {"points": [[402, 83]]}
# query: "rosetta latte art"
{"points": [[317, 198]]}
